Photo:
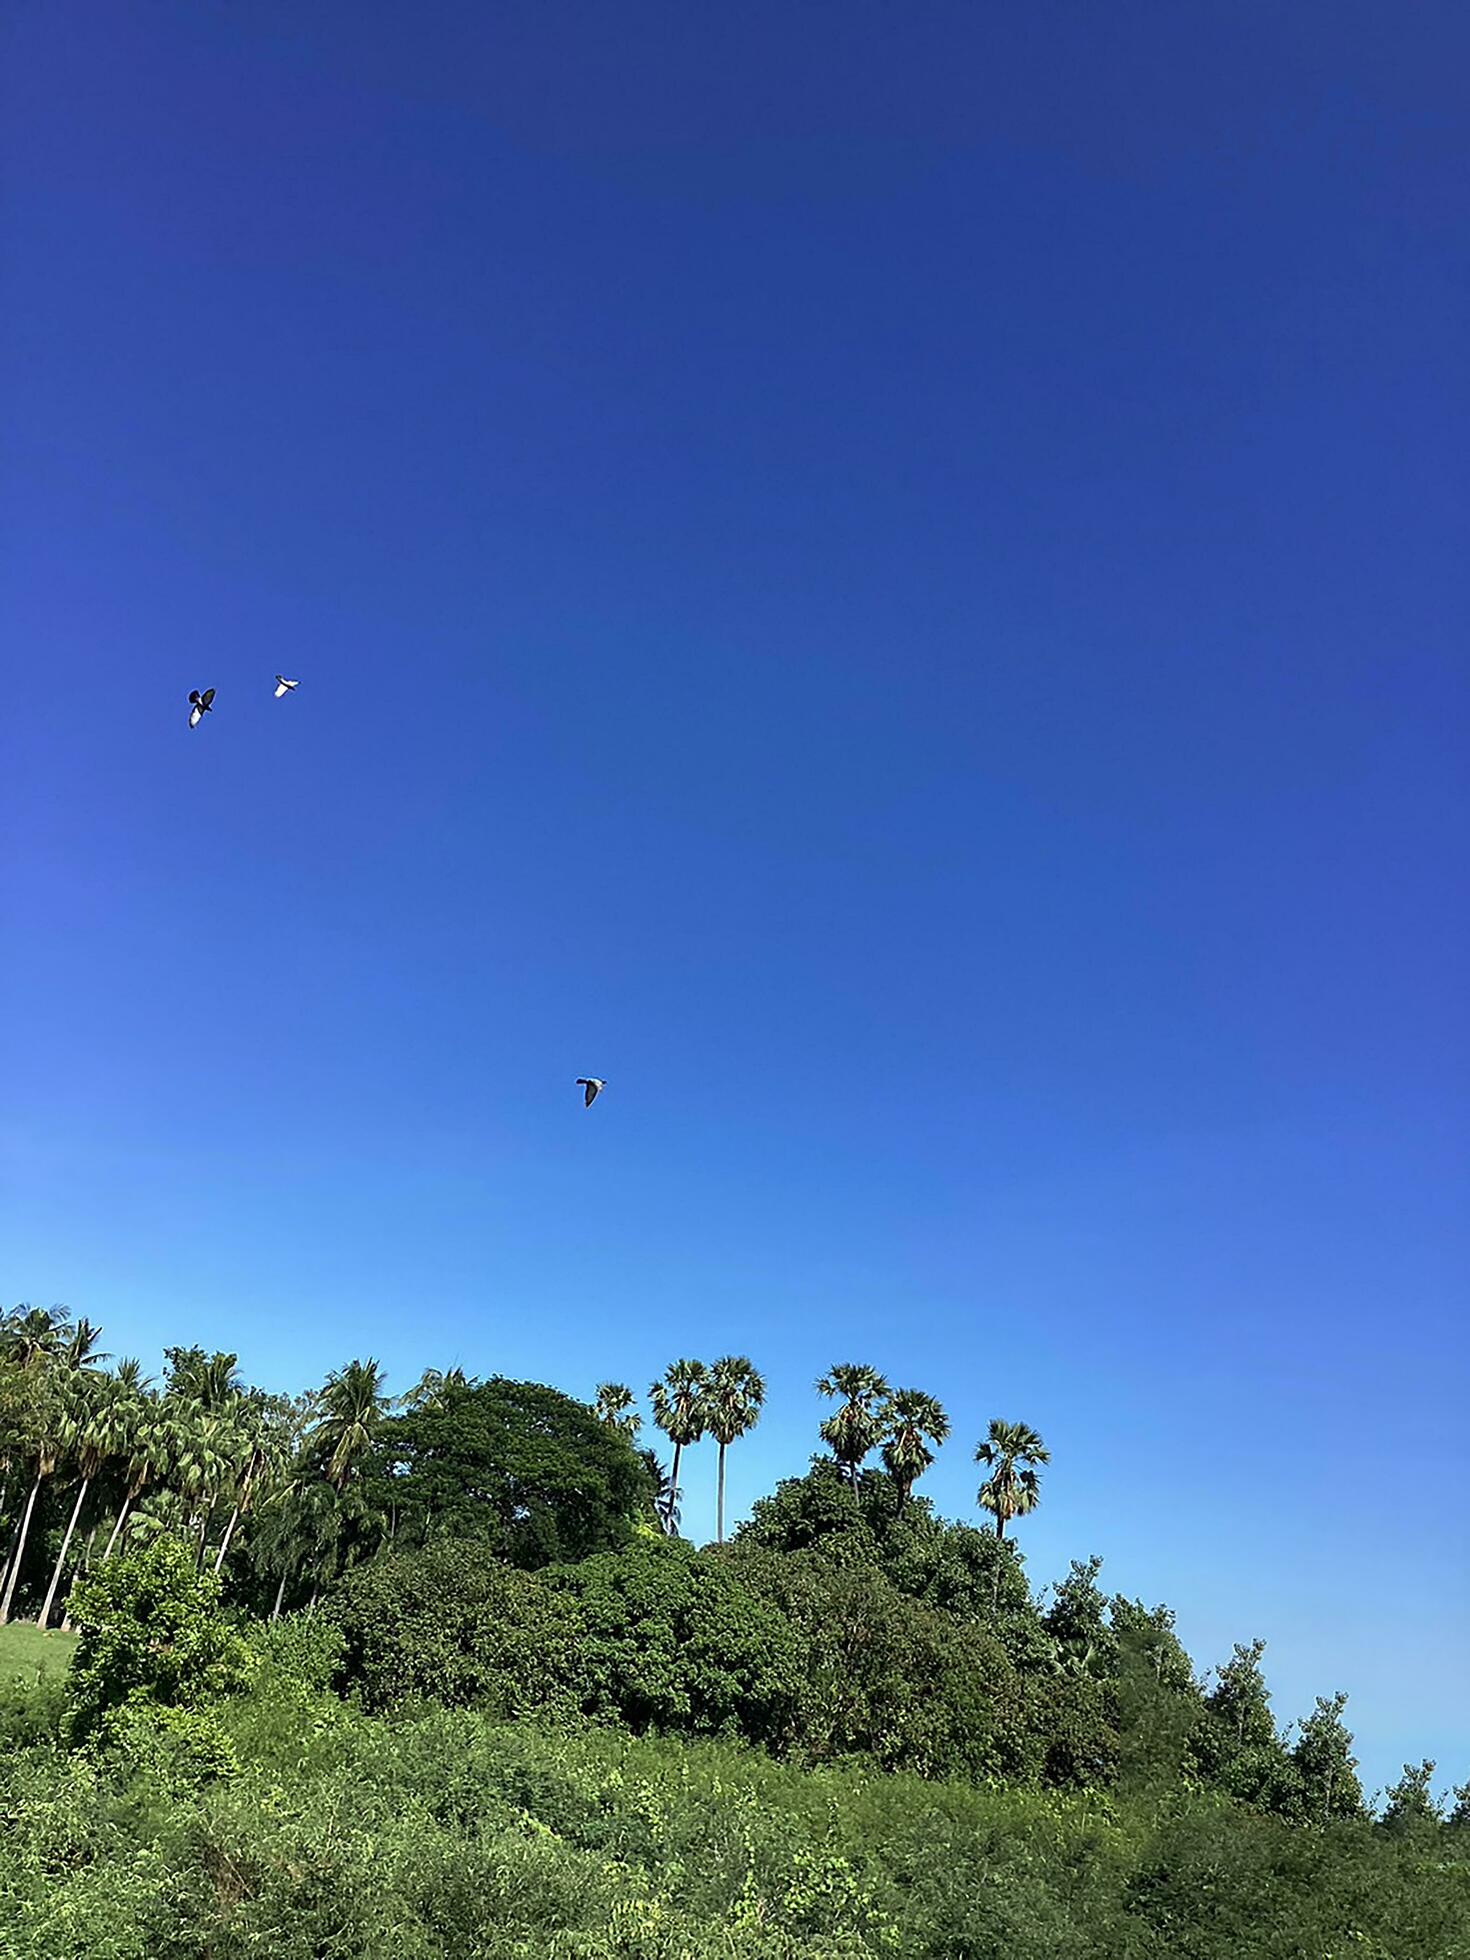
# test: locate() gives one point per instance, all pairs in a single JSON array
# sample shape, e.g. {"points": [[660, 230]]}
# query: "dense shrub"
{"points": [[671, 1639], [152, 1636], [455, 1624]]}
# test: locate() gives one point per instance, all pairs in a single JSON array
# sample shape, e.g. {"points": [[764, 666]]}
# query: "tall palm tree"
{"points": [[33, 1335], [79, 1348], [614, 1406], [913, 1420], [857, 1426], [88, 1433], [144, 1453], [432, 1386], [264, 1444], [732, 1402], [44, 1416], [1011, 1451], [350, 1409], [678, 1409]]}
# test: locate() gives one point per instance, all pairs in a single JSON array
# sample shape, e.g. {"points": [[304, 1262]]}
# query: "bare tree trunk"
{"points": [[280, 1595], [20, 1550], [43, 1617], [720, 1500], [117, 1528], [674, 1485], [311, 1603], [224, 1543]]}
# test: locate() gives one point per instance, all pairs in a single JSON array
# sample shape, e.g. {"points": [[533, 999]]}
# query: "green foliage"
{"points": [[521, 1468], [151, 1636], [454, 1624], [669, 1638], [1410, 1810], [343, 1834], [1326, 1768], [305, 1649]]}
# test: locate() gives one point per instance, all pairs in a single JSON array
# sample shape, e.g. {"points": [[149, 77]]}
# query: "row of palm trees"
{"points": [[196, 1456], [905, 1426]]}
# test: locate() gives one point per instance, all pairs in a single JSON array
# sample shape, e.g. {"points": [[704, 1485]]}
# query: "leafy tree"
{"points": [[1326, 1765], [733, 1395], [913, 1421], [1236, 1747], [857, 1425], [453, 1623], [1411, 1810], [678, 1409], [514, 1465], [672, 1639], [1157, 1702], [1077, 1621], [1011, 1451], [151, 1633], [614, 1406]]}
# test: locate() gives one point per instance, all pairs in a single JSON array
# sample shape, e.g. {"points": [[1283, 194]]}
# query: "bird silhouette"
{"points": [[594, 1085], [199, 705], [283, 686]]}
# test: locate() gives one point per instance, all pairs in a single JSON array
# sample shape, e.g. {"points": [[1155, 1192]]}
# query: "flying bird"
{"points": [[594, 1085], [199, 705], [283, 686]]}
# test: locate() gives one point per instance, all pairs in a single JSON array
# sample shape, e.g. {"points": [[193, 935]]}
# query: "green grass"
{"points": [[26, 1652]]}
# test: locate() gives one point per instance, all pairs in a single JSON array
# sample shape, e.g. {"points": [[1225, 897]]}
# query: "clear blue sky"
{"points": [[891, 580]]}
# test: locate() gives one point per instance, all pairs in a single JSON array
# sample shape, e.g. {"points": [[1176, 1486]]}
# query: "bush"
{"points": [[151, 1636], [670, 1639], [454, 1624]]}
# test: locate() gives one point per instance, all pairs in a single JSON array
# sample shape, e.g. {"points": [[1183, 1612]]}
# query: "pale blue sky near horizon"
{"points": [[890, 581]]}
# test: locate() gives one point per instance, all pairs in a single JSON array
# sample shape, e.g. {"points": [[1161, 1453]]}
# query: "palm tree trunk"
{"points": [[674, 1485], [20, 1550], [117, 1528], [720, 1501], [311, 1603], [280, 1595], [1000, 1524], [43, 1617], [224, 1543]]}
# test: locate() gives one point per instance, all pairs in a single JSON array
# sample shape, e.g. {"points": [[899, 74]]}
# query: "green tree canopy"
{"points": [[520, 1467]]}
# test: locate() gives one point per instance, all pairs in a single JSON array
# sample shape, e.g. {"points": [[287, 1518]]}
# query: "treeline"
{"points": [[498, 1545]]}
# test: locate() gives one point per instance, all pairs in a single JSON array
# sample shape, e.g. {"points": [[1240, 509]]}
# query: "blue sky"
{"points": [[889, 580]]}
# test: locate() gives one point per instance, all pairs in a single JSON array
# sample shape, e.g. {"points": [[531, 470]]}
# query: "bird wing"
{"points": [[193, 695], [592, 1090], [207, 697], [281, 688], [196, 715]]}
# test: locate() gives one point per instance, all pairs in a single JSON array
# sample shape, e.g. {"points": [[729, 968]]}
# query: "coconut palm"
{"points": [[733, 1396], [144, 1453], [79, 1348], [43, 1443], [432, 1387], [88, 1433], [33, 1335], [614, 1406], [1011, 1451], [857, 1426], [913, 1420], [350, 1409], [678, 1409]]}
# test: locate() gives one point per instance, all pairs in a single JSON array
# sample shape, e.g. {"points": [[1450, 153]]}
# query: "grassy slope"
{"points": [[346, 1834], [26, 1652]]}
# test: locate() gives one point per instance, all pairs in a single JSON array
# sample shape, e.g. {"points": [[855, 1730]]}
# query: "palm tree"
{"points": [[145, 1455], [432, 1386], [1010, 1492], [678, 1409], [263, 1447], [732, 1401], [614, 1406], [44, 1420], [79, 1348], [87, 1431], [33, 1335], [914, 1420], [351, 1406], [857, 1426]]}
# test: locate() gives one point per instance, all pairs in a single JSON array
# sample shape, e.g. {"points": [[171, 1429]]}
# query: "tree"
{"points": [[913, 1421], [1411, 1810], [520, 1467], [857, 1426], [143, 1449], [1326, 1765], [44, 1443], [614, 1406], [1011, 1451], [351, 1408], [732, 1400], [678, 1409], [151, 1634], [87, 1432]]}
